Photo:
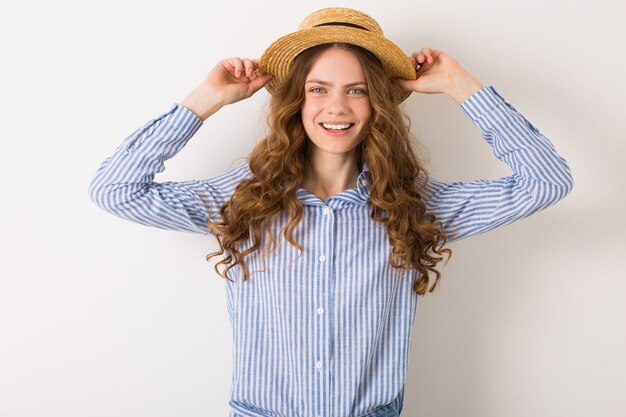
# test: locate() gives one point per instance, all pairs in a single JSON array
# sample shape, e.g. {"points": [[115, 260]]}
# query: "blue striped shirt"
{"points": [[329, 333]]}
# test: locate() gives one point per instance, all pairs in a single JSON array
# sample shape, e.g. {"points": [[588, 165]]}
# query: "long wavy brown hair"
{"points": [[279, 163]]}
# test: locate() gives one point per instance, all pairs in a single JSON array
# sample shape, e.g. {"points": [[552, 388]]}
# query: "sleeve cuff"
{"points": [[188, 114], [481, 102], [180, 117]]}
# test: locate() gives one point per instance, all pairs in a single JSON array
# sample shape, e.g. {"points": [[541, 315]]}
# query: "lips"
{"points": [[336, 126]]}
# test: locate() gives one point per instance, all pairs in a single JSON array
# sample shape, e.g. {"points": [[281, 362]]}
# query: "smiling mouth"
{"points": [[336, 127]]}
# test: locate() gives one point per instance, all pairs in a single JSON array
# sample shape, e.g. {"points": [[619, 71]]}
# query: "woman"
{"points": [[332, 226]]}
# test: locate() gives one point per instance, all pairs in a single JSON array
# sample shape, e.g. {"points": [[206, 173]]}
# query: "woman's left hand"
{"points": [[438, 72]]}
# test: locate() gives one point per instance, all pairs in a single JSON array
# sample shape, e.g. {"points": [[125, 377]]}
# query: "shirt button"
{"points": [[322, 258], [320, 310], [319, 365], [365, 183], [325, 210]]}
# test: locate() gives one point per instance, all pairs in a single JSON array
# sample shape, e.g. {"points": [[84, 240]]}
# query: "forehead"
{"points": [[336, 63]]}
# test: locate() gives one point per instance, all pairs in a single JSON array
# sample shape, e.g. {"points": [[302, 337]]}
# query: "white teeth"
{"points": [[336, 127]]}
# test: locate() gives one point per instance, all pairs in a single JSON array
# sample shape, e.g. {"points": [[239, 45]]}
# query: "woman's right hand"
{"points": [[231, 80]]}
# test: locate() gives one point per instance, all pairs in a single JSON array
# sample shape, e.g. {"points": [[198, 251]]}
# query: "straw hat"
{"points": [[337, 24]]}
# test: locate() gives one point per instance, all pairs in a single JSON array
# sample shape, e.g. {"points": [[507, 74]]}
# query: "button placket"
{"points": [[325, 276]]}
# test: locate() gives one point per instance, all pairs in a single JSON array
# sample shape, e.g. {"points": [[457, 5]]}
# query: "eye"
{"points": [[317, 90], [357, 91]]}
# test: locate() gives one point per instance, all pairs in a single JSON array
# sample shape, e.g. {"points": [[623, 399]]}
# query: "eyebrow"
{"points": [[329, 83]]}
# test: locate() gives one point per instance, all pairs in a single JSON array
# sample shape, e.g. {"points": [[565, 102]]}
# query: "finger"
{"points": [[406, 84], [257, 67], [257, 73], [255, 62], [228, 65], [258, 83], [419, 57], [238, 66], [248, 67], [428, 53], [415, 60]]}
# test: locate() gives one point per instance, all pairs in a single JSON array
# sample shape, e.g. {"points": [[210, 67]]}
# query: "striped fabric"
{"points": [[328, 333]]}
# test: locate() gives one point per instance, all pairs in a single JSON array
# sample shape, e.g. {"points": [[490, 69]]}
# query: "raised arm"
{"points": [[541, 177], [124, 183], [232, 80]]}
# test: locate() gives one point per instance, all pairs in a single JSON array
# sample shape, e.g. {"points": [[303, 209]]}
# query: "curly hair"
{"points": [[278, 164]]}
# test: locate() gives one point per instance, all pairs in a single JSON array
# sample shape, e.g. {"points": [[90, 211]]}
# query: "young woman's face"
{"points": [[336, 106]]}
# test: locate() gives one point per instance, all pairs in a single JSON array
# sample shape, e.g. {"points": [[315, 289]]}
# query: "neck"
{"points": [[328, 175]]}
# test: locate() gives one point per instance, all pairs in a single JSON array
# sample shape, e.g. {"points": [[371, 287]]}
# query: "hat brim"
{"points": [[278, 57]]}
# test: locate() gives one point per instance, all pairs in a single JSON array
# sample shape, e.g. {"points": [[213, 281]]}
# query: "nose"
{"points": [[337, 103]]}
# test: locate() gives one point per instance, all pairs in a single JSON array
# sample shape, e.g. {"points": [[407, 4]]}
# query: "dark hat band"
{"points": [[352, 25]]}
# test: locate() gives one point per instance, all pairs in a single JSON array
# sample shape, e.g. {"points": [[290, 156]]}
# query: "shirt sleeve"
{"points": [[541, 177], [124, 183]]}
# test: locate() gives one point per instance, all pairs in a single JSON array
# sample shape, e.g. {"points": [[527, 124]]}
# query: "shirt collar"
{"points": [[355, 196], [364, 181]]}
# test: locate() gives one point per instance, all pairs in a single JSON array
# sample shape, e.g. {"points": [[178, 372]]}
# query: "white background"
{"points": [[100, 316]]}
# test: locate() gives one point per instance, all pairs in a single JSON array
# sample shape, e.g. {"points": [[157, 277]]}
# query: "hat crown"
{"points": [[337, 25], [343, 17]]}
